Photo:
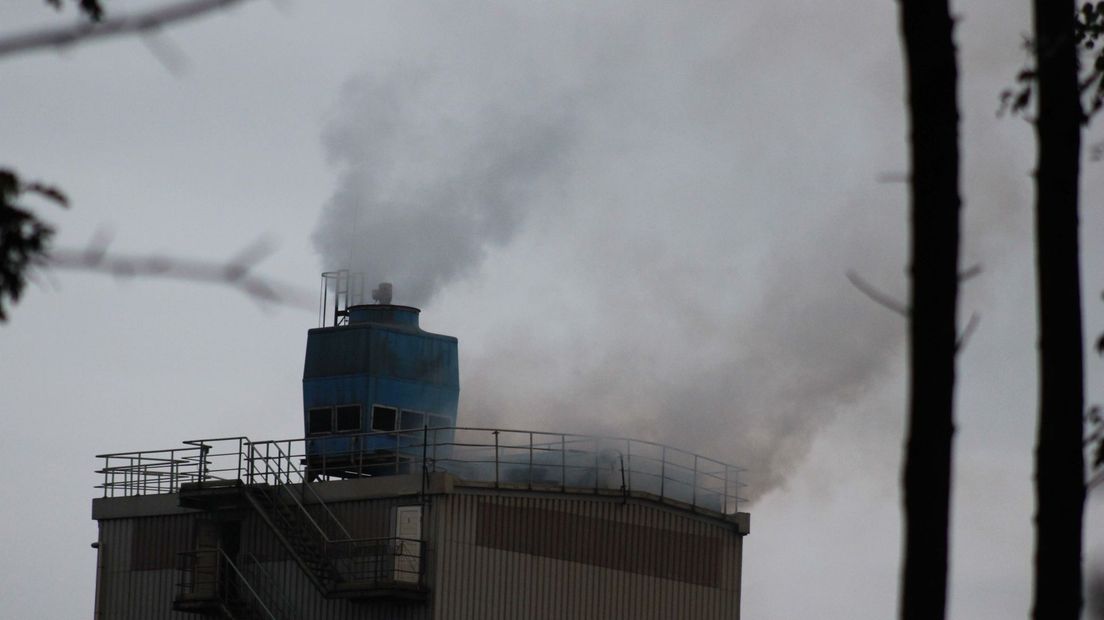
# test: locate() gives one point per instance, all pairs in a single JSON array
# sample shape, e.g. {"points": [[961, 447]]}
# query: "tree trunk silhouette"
{"points": [[932, 83], [1059, 460]]}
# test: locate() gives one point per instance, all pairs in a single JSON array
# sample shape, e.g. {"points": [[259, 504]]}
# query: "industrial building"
{"points": [[386, 509]]}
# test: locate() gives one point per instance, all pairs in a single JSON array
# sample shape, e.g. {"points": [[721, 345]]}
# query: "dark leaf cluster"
{"points": [[1094, 440], [1088, 28], [1094, 425], [24, 238], [1017, 99], [93, 9]]}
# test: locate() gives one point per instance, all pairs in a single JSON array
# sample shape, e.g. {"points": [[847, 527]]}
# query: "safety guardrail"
{"points": [[378, 561], [504, 458]]}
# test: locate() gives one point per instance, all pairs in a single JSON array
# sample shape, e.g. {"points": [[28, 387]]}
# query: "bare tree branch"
{"points": [[1095, 480], [240, 264], [235, 272], [881, 298], [964, 337], [970, 272], [165, 52], [136, 23]]}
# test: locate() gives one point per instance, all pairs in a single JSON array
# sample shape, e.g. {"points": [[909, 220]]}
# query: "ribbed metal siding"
{"points": [[481, 582], [468, 580], [129, 594], [369, 518]]}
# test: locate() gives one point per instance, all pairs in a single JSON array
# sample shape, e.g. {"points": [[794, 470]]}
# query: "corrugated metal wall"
{"points": [[139, 566], [137, 582], [489, 554], [483, 576], [370, 518]]}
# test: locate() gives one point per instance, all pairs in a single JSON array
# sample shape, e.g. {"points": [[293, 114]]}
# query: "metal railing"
{"points": [[356, 562], [337, 561], [267, 463], [210, 576], [379, 561], [267, 586], [503, 458], [151, 472]]}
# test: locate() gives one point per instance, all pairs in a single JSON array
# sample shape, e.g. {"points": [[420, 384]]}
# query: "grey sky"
{"points": [[635, 216]]}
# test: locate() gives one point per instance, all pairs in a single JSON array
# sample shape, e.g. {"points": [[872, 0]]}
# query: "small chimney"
{"points": [[382, 295]]}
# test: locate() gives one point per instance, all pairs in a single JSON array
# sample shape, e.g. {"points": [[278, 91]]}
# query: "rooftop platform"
{"points": [[507, 459]]}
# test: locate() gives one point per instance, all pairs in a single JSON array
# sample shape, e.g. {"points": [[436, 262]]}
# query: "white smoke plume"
{"points": [[625, 239], [430, 177]]}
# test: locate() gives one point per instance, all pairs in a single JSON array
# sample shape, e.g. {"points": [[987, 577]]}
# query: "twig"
{"points": [[970, 272], [165, 52], [85, 31], [235, 273], [1096, 479], [971, 326], [885, 300]]}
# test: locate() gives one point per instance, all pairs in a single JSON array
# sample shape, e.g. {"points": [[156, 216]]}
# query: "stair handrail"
{"points": [[203, 462], [283, 457], [284, 605], [280, 474], [260, 601], [265, 513], [326, 540], [333, 518]]}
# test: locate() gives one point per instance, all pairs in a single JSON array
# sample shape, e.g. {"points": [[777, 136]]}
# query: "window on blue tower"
{"points": [[348, 418], [412, 420], [383, 418], [320, 420]]}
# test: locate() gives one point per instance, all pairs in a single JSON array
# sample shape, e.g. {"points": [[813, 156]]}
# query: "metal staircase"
{"points": [[297, 531], [212, 585], [272, 483], [336, 563], [268, 588]]}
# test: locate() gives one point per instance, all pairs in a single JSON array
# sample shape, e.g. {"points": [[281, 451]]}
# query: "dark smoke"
{"points": [[747, 381]]}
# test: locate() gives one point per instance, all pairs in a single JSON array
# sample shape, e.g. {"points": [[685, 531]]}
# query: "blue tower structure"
{"points": [[373, 380]]}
